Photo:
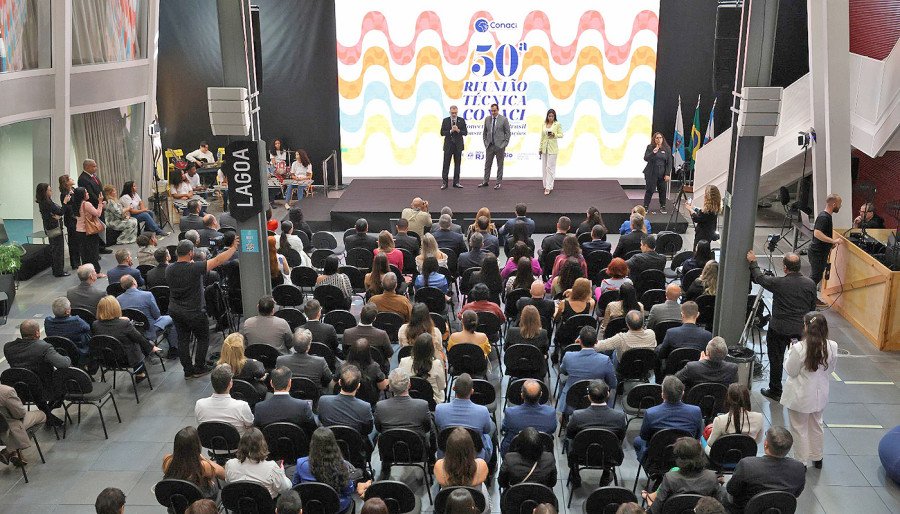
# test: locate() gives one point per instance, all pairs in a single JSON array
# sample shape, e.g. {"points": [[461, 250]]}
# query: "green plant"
{"points": [[10, 258]]}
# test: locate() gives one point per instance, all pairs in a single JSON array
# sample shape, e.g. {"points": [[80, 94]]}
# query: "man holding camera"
{"points": [[418, 217], [793, 295]]}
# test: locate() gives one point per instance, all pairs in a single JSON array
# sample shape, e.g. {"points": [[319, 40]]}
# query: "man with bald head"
{"points": [[89, 180], [669, 310], [546, 308], [417, 215], [793, 295], [531, 413], [32, 353]]}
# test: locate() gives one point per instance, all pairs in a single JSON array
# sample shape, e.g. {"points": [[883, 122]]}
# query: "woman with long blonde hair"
{"points": [[244, 368], [706, 219], [430, 249]]}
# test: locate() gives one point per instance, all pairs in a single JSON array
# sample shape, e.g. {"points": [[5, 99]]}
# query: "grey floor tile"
{"points": [[836, 470], [90, 483], [890, 495], [127, 456], [808, 504], [47, 486], [849, 413], [880, 394], [887, 416], [842, 499], [150, 429], [859, 441]]}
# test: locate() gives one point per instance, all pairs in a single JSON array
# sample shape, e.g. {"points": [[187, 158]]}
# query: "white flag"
{"points": [[678, 138]]}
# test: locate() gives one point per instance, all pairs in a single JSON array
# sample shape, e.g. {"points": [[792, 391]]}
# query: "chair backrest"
{"points": [[26, 383], [524, 360], [483, 392], [65, 347], [143, 269], [615, 326], [88, 316], [771, 502], [597, 448], [605, 299], [668, 243], [729, 449], [433, 298], [688, 278], [305, 389], [218, 436], [547, 261], [330, 297], [360, 258], [465, 279], [340, 319], [176, 495], [650, 279], [440, 322], [402, 446], [245, 497], [636, 364], [110, 352], [709, 396], [324, 351], [606, 500], [318, 256], [243, 390], [653, 297], [643, 396], [390, 322], [659, 457], [547, 442], [510, 309], [662, 327], [444, 434], [523, 498], [577, 396], [161, 295], [286, 441], [357, 277], [568, 331], [292, 256], [466, 358], [679, 358], [264, 353], [294, 317], [489, 323], [72, 382], [420, 388], [138, 318], [679, 259], [395, 494], [596, 261], [631, 254], [707, 306], [114, 289], [440, 501], [304, 276], [681, 503], [409, 262], [287, 295], [322, 239], [352, 445], [514, 392]]}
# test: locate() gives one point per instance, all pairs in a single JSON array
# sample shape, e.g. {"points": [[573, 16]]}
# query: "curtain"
{"points": [[101, 136], [108, 30], [18, 35]]}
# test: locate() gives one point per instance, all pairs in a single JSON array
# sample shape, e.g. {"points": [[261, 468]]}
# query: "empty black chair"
{"points": [[595, 448], [114, 289], [615, 326], [668, 243], [546, 261], [635, 365], [110, 353], [360, 258], [706, 303], [243, 390], [523, 498], [292, 256], [88, 316], [492, 327], [79, 389], [340, 319], [525, 361], [409, 262], [672, 270], [264, 353], [286, 441], [221, 439], [420, 388], [318, 256], [322, 239], [596, 261], [433, 298], [318, 498], [688, 278], [640, 398], [330, 297], [631, 254], [176, 495], [305, 389], [404, 447], [484, 394], [161, 295], [710, 397], [304, 277], [650, 279], [658, 459], [771, 502], [606, 500], [465, 358], [510, 310], [662, 327], [729, 449], [440, 501], [293, 316], [287, 295], [679, 358], [65, 347], [390, 322], [354, 447], [397, 496], [245, 497], [514, 392], [681, 504], [653, 297]]}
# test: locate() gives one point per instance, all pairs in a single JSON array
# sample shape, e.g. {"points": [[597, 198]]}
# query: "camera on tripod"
{"points": [[772, 242]]}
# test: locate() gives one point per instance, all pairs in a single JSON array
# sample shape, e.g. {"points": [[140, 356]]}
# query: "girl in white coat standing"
{"points": [[808, 364]]}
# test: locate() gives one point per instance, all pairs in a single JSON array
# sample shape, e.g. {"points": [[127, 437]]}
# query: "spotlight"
{"points": [[772, 242]]}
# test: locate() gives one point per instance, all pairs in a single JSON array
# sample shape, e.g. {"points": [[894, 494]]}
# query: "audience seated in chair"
{"points": [[302, 364], [244, 368], [403, 240], [472, 258], [146, 247], [711, 367], [424, 364], [361, 239], [462, 412], [460, 465], [332, 277], [688, 335], [546, 308], [85, 295], [157, 275], [360, 355], [555, 241], [145, 302], [430, 249], [281, 407], [64, 324], [251, 465], [193, 220], [376, 337], [597, 415], [187, 462], [110, 322], [479, 301], [220, 406], [774, 471], [631, 241], [739, 418], [636, 337], [325, 464], [669, 310], [585, 364], [598, 240], [345, 408], [36, 355], [470, 335], [389, 300], [672, 413], [402, 411], [321, 332], [647, 259], [529, 414], [266, 328], [528, 462], [690, 476], [19, 420], [446, 236]]}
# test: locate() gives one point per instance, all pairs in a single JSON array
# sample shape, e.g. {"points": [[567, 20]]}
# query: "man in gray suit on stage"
{"points": [[496, 137]]}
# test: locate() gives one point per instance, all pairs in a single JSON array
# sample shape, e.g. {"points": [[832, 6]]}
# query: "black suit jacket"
{"points": [[552, 242], [453, 141], [596, 416], [450, 239], [468, 260], [377, 339], [407, 242], [688, 335], [515, 468], [754, 475], [698, 372], [793, 295], [628, 243], [367, 241], [38, 356], [284, 408], [157, 276], [403, 412], [644, 261], [94, 188], [325, 334]]}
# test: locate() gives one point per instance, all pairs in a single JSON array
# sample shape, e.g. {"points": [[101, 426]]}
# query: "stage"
{"points": [[381, 200]]}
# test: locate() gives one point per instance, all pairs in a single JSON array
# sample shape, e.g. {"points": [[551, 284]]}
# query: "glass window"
{"points": [[108, 31], [24, 162], [24, 35]]}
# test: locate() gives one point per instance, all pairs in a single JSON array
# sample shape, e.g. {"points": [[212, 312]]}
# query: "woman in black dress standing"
{"points": [[706, 219], [66, 188], [51, 214], [658, 170]]}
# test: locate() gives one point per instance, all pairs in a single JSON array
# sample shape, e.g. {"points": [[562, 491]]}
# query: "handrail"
{"points": [[332, 156]]}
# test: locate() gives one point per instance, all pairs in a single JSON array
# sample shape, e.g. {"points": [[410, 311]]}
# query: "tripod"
{"points": [[755, 320], [687, 186], [161, 209]]}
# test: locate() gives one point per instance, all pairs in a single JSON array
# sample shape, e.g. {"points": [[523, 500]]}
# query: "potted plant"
{"points": [[10, 262]]}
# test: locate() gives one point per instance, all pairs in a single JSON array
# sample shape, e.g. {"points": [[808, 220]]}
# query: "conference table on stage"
{"points": [[865, 292]]}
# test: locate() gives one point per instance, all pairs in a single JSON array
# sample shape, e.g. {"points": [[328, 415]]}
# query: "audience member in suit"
{"points": [[364, 330], [446, 237], [321, 332], [690, 476], [19, 420], [345, 408], [774, 471], [521, 210], [63, 324], [452, 227], [671, 413], [402, 411], [546, 308], [89, 180], [491, 242], [711, 367], [389, 300], [281, 407], [220, 406], [462, 412], [647, 259], [631, 241], [304, 365], [85, 295], [32, 353], [598, 241], [554, 241], [529, 414], [669, 310], [361, 238], [597, 415], [110, 322], [472, 258], [124, 267], [688, 335], [157, 275], [144, 301], [266, 328], [404, 240], [585, 364], [528, 462], [193, 220]]}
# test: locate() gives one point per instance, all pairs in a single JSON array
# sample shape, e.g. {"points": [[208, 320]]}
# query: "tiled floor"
{"points": [[82, 465]]}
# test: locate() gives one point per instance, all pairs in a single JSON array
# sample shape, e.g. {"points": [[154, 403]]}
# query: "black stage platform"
{"points": [[381, 200]]}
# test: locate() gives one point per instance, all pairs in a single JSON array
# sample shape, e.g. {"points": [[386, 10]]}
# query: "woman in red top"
{"points": [[386, 246]]}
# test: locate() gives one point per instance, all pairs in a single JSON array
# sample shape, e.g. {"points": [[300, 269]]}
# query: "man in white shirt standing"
{"points": [[201, 155], [221, 406]]}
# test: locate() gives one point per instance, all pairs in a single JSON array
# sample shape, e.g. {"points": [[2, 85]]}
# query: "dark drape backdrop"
{"points": [[299, 100]]}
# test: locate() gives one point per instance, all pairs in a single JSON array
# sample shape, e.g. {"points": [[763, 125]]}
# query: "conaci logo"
{"points": [[483, 25]]}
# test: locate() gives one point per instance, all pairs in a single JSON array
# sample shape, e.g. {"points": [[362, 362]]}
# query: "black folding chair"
{"points": [[318, 257], [510, 309], [444, 434], [771, 502], [143, 269], [525, 361], [390, 322], [323, 239], [406, 448], [397, 496], [65, 347], [360, 258], [635, 365], [305, 389], [294, 317], [264, 353], [356, 450], [728, 450], [433, 298], [465, 358], [79, 389], [650, 279], [287, 295], [606, 500], [576, 398], [597, 260], [672, 270], [357, 279], [286, 441], [661, 328], [668, 243], [568, 331], [484, 394], [84, 314], [330, 297], [615, 326], [245, 497], [292, 256], [681, 503], [176, 495], [678, 359], [161, 295], [640, 398], [324, 351], [546, 263], [653, 297], [243, 390], [514, 392], [707, 306], [689, 277], [304, 277], [595, 448], [114, 289], [605, 299], [318, 498], [658, 459], [492, 327], [523, 498], [220, 439], [420, 388], [110, 353], [340, 319], [440, 501], [710, 397]]}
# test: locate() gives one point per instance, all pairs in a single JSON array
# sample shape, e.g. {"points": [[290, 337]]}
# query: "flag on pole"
{"points": [[678, 138], [711, 126], [695, 133]]}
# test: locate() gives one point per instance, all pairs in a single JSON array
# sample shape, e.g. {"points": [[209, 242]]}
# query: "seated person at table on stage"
{"points": [[18, 420], [133, 205], [647, 259], [417, 215], [774, 471], [63, 324], [201, 155], [345, 408], [529, 414], [462, 412], [301, 172], [85, 295], [321, 332], [546, 308], [688, 335], [711, 367], [528, 462], [266, 328], [627, 226], [739, 417], [475, 255], [585, 364], [521, 211], [598, 240], [671, 413], [192, 220], [669, 310], [220, 406], [636, 337], [598, 415], [555, 241], [690, 476], [146, 246], [631, 241], [376, 337], [144, 301], [180, 185], [446, 236], [250, 464], [389, 300], [424, 363], [304, 365], [36, 355], [403, 240], [124, 267], [281, 407], [867, 217], [193, 178], [361, 238], [157, 275]]}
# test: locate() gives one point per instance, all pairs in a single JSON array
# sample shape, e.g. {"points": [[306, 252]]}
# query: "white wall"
{"points": [[17, 170]]}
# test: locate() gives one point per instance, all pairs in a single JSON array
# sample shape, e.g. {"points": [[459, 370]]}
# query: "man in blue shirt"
{"points": [[125, 267], [144, 301], [462, 412], [530, 414], [63, 324], [688, 335], [585, 364], [672, 413]]}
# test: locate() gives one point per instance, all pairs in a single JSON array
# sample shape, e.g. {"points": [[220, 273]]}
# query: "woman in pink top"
{"points": [[386, 246], [90, 243], [519, 250]]}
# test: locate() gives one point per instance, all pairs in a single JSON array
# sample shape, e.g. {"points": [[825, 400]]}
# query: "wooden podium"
{"points": [[871, 292]]}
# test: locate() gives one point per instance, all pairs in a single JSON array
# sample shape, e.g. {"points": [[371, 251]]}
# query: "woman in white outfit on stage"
{"points": [[808, 364], [550, 132]]}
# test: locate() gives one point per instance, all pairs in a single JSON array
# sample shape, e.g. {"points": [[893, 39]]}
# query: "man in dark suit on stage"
{"points": [[89, 180], [495, 136], [453, 128]]}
